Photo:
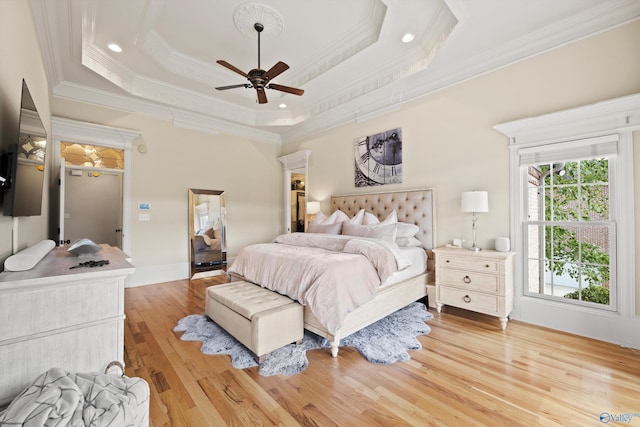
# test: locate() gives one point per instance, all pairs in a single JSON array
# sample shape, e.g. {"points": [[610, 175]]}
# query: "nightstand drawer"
{"points": [[482, 303], [466, 263], [469, 280]]}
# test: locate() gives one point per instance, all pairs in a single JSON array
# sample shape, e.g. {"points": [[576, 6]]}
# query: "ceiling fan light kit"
{"points": [[258, 78]]}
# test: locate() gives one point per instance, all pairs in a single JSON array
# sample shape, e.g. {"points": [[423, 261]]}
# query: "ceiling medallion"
{"points": [[246, 16]]}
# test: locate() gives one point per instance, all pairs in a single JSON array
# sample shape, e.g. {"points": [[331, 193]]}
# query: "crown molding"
{"points": [[181, 118], [589, 120]]}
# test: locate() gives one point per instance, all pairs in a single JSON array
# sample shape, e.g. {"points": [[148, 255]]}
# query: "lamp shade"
{"points": [[475, 201], [313, 208]]}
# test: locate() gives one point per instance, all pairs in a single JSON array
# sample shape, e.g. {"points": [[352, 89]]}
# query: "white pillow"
{"points": [[337, 216], [392, 218], [371, 219], [319, 218], [405, 242], [407, 230], [357, 218], [386, 232]]}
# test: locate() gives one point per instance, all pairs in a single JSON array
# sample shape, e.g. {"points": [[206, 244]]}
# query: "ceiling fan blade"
{"points": [[232, 86], [231, 67], [262, 97], [276, 70], [287, 89]]}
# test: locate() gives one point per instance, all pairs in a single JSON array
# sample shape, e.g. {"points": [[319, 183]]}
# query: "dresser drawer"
{"points": [[472, 281], [482, 303], [467, 263]]}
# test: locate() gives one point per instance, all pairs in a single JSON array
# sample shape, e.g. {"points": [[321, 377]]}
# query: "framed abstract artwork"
{"points": [[378, 159]]}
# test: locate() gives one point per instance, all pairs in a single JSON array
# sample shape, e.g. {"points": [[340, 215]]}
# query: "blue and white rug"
{"points": [[385, 341]]}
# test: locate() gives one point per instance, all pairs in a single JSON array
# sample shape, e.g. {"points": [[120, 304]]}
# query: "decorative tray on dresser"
{"points": [[58, 316], [478, 281]]}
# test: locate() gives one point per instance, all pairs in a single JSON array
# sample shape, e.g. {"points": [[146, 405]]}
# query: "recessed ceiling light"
{"points": [[115, 47], [407, 38], [283, 105]]}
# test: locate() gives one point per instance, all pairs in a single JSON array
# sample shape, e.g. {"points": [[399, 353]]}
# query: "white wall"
{"points": [[20, 59], [449, 141]]}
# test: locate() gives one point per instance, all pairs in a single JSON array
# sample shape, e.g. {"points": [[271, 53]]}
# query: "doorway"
{"points": [[103, 139], [93, 206], [298, 204]]}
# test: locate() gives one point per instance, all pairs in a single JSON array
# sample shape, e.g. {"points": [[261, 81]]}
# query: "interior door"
{"points": [[92, 206]]}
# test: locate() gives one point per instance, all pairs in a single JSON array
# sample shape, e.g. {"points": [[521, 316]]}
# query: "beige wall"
{"points": [[178, 159], [20, 59], [449, 141]]}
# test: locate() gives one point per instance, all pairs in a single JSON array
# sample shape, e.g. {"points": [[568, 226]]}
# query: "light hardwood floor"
{"points": [[469, 373]]}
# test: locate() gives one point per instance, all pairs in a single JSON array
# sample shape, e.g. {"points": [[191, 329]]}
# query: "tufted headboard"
{"points": [[412, 206]]}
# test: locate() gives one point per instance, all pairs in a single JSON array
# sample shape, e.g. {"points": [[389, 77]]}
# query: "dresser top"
{"points": [[56, 267], [484, 253]]}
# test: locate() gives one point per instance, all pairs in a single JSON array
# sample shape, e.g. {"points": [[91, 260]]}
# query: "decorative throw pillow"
{"points": [[325, 228], [217, 232], [386, 232], [209, 233]]}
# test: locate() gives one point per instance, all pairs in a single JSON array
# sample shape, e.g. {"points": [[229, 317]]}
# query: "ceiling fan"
{"points": [[259, 79]]}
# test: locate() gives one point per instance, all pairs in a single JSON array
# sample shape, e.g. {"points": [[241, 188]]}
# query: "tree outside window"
{"points": [[569, 230]]}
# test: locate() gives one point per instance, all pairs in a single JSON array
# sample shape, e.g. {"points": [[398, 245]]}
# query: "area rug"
{"points": [[384, 342]]}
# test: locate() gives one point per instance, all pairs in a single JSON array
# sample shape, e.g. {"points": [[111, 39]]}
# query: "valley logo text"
{"points": [[607, 417]]}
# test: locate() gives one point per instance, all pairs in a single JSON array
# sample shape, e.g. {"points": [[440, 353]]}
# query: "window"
{"points": [[569, 231], [572, 219]]}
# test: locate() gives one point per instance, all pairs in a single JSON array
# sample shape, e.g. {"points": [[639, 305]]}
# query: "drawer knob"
{"points": [[466, 279], [467, 299], [487, 265]]}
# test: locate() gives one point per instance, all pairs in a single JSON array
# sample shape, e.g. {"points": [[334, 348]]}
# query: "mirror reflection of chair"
{"points": [[207, 231]]}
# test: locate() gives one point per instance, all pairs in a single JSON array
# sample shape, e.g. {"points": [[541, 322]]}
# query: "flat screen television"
{"points": [[22, 163]]}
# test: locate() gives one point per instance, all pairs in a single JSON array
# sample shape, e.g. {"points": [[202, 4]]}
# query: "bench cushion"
{"points": [[246, 299], [260, 319]]}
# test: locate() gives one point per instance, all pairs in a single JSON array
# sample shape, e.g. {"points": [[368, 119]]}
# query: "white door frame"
{"points": [[106, 136]]}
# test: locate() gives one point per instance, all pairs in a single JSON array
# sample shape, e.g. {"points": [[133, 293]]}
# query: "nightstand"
{"points": [[477, 281]]}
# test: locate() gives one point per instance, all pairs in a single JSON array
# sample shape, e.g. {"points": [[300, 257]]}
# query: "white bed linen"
{"points": [[332, 274], [418, 258]]}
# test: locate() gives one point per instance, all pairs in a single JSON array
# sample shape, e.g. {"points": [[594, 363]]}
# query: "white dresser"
{"points": [[479, 281], [55, 316]]}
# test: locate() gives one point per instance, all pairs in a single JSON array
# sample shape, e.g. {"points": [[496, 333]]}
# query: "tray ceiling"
{"points": [[347, 55]]}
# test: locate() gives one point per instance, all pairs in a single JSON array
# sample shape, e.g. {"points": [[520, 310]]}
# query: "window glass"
{"points": [[569, 231]]}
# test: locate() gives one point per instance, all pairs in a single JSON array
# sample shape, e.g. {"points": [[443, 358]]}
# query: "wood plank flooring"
{"points": [[469, 373]]}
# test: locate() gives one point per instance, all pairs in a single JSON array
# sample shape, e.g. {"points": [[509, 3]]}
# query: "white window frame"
{"points": [[619, 117], [581, 149]]}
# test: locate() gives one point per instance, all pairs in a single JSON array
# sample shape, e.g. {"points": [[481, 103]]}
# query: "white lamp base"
{"points": [[475, 249]]}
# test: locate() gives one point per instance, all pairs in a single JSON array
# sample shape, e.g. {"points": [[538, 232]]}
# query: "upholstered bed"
{"points": [[392, 292]]}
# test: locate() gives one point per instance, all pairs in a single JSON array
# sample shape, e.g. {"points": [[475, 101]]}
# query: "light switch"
{"points": [[144, 217]]}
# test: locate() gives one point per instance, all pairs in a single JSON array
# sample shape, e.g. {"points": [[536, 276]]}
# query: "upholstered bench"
{"points": [[260, 319]]}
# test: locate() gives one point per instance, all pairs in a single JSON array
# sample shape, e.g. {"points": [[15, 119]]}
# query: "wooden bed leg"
{"points": [[335, 346]]}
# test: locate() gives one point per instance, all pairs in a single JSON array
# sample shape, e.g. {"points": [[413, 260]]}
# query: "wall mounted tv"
{"points": [[22, 162]]}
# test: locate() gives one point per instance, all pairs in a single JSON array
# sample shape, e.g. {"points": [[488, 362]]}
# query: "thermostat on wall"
{"points": [[144, 206]]}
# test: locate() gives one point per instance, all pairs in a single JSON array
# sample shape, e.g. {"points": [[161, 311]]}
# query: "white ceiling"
{"points": [[346, 54]]}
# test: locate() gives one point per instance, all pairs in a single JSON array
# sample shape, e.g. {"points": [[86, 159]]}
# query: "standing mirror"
{"points": [[207, 231]]}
